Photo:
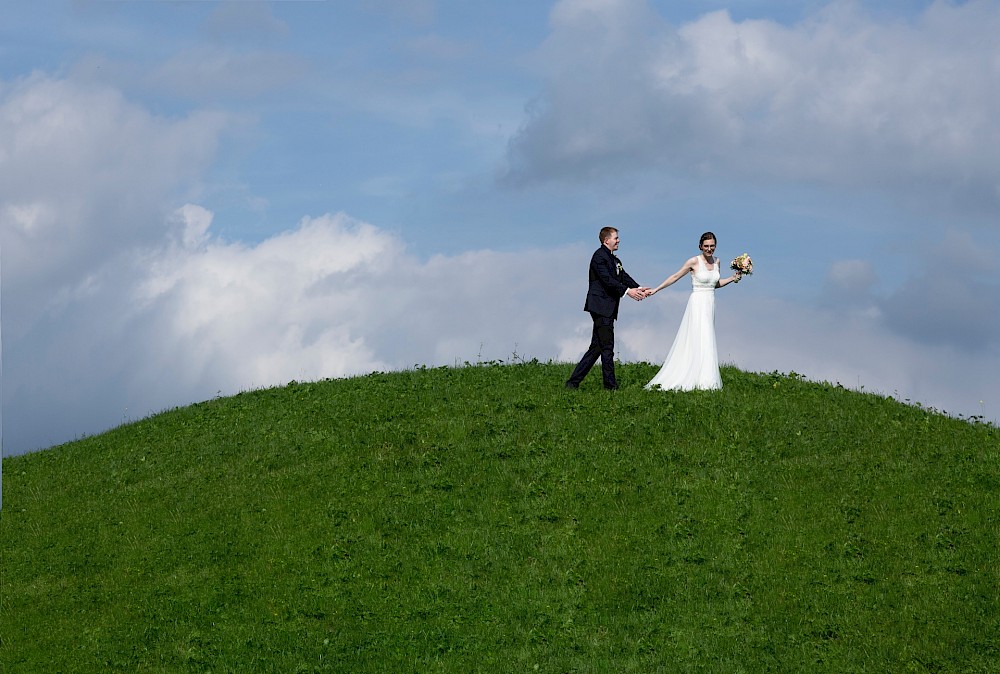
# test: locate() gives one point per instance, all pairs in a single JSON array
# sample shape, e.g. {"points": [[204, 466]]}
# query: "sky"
{"points": [[202, 198]]}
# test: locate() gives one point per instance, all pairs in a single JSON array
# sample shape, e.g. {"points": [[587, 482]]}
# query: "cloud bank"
{"points": [[841, 99]]}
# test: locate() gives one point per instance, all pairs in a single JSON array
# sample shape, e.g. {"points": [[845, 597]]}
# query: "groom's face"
{"points": [[612, 242]]}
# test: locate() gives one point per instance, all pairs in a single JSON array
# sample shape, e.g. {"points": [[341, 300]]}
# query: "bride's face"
{"points": [[708, 247]]}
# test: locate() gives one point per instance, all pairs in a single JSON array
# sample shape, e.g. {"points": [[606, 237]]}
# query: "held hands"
{"points": [[639, 294]]}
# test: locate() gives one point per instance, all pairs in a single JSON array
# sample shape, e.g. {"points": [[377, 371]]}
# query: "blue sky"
{"points": [[199, 198]]}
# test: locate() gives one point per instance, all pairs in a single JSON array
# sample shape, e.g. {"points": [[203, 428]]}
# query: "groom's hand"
{"points": [[635, 293]]}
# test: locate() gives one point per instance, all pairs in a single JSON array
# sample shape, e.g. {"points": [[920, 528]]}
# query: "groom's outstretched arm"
{"points": [[635, 291]]}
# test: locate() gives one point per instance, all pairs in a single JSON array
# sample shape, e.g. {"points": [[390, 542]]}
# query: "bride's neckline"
{"points": [[708, 265]]}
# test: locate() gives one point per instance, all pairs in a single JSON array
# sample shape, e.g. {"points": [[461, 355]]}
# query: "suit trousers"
{"points": [[602, 345]]}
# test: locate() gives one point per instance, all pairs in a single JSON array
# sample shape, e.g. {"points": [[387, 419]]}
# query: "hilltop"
{"points": [[484, 519]]}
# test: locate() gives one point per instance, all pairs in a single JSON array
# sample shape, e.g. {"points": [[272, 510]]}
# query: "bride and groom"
{"points": [[693, 361]]}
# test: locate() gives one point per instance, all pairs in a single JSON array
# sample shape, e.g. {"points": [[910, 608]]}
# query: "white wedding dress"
{"points": [[693, 361]]}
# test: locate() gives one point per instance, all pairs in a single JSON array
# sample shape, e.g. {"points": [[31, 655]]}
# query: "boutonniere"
{"points": [[619, 265]]}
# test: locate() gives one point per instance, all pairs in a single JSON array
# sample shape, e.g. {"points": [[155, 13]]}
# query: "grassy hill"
{"points": [[485, 519]]}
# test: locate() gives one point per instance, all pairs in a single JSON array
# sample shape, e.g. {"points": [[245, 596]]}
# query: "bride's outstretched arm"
{"points": [[674, 278]]}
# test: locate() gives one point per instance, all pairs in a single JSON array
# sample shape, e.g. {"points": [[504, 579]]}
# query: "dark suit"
{"points": [[608, 284]]}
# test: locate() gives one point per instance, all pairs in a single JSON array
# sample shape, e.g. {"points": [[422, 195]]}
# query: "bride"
{"points": [[693, 361]]}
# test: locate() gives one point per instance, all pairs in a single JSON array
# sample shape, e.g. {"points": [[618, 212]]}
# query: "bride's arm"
{"points": [[674, 278], [735, 278]]}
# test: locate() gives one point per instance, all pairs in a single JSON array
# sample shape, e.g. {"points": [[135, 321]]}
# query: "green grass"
{"points": [[484, 519]]}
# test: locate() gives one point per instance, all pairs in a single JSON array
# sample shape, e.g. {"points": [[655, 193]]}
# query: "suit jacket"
{"points": [[608, 283]]}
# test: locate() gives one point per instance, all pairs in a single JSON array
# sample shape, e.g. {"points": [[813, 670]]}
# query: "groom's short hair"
{"points": [[606, 233]]}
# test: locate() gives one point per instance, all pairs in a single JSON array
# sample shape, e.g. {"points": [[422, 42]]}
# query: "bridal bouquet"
{"points": [[743, 264]]}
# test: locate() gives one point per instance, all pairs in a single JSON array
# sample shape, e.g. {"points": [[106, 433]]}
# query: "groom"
{"points": [[608, 283]]}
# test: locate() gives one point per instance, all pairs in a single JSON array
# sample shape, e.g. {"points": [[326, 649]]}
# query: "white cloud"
{"points": [[839, 99], [233, 308], [193, 222], [84, 175]]}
